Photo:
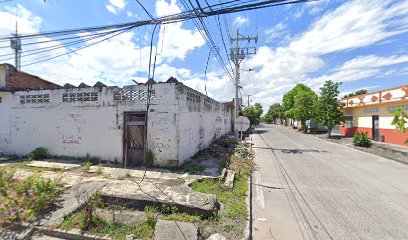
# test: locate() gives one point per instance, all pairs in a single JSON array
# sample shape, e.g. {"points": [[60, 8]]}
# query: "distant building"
{"points": [[109, 123], [373, 113]]}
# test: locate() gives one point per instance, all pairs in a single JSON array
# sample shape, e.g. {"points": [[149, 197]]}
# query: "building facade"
{"points": [[112, 124], [373, 113]]}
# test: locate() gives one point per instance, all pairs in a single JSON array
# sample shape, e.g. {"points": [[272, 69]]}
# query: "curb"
{"points": [[366, 150], [74, 234]]}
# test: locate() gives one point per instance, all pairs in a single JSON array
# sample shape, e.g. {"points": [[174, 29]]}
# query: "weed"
{"points": [[99, 170], [39, 154], [361, 140], [24, 199], [181, 180], [182, 217], [168, 209], [87, 162], [121, 177], [149, 157], [193, 168], [150, 212]]}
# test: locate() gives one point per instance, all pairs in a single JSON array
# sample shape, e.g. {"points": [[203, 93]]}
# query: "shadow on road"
{"points": [[290, 151], [265, 186]]}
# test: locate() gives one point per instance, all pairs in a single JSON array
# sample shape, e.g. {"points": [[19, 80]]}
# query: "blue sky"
{"points": [[362, 43]]}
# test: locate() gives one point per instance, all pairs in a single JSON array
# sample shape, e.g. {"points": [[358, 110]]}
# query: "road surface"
{"points": [[310, 188]]}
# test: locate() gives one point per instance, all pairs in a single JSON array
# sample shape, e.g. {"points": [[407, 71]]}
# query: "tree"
{"points": [[275, 112], [303, 108], [359, 92], [253, 113], [400, 120], [327, 108], [288, 101]]}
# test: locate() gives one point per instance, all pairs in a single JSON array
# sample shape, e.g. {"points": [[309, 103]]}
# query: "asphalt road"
{"points": [[310, 188]]}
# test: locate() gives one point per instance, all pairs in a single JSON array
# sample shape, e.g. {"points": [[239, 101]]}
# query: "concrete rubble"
{"points": [[173, 230], [216, 236], [121, 216], [228, 178]]}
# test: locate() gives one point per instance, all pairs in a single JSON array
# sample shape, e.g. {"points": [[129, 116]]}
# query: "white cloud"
{"points": [[115, 6], [352, 25], [175, 41], [362, 67], [241, 21], [276, 31]]}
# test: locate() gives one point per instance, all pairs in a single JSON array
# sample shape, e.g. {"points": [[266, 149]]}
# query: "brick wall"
{"points": [[18, 80]]}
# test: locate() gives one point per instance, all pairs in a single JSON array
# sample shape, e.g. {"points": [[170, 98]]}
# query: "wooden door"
{"points": [[134, 141]]}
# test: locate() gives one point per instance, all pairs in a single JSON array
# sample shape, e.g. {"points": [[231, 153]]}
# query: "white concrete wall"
{"points": [[4, 121], [177, 128], [74, 129], [198, 124]]}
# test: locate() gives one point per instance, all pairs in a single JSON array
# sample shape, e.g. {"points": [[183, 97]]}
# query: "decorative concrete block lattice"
{"points": [[208, 103], [35, 98], [193, 97], [80, 97], [131, 95]]}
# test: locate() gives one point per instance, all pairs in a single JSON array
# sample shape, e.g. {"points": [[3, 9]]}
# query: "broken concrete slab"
{"points": [[73, 234], [216, 236], [17, 232], [71, 201], [137, 195], [229, 179], [121, 216], [173, 230], [53, 165]]}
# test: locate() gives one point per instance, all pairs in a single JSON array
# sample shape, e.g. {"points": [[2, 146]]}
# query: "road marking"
{"points": [[261, 219], [259, 190]]}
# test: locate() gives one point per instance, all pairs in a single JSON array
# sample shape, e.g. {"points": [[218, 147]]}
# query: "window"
{"points": [[371, 110], [392, 108], [348, 123], [35, 98], [80, 97]]}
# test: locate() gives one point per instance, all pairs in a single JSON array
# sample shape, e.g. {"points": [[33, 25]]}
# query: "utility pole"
{"points": [[15, 44], [237, 55], [248, 99]]}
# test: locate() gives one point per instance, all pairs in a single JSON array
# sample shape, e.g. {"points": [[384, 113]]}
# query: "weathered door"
{"points": [[134, 138], [376, 127]]}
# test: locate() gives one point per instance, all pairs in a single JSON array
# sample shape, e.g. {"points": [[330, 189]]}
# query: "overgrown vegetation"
{"points": [[231, 221], [90, 223], [87, 162], [149, 157], [400, 119], [359, 92], [39, 154], [24, 199], [361, 140]]}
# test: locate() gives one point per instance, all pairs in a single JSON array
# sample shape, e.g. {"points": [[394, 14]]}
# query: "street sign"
{"points": [[242, 123]]}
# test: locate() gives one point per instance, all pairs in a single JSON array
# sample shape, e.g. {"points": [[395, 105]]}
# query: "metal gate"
{"points": [[133, 138]]}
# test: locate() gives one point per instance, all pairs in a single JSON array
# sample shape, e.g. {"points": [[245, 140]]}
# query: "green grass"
{"points": [[193, 168], [4, 158], [113, 230], [23, 166], [233, 199], [182, 217]]}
